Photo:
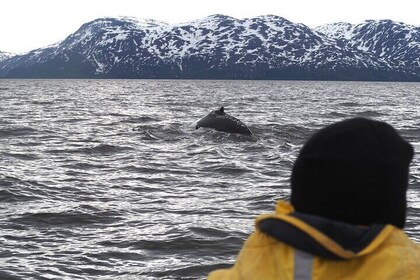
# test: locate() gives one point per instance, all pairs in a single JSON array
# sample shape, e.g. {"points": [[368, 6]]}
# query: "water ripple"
{"points": [[109, 179]]}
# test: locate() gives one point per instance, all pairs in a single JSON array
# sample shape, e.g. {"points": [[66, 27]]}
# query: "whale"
{"points": [[220, 121]]}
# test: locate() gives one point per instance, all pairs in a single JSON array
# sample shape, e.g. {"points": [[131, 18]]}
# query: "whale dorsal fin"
{"points": [[222, 110]]}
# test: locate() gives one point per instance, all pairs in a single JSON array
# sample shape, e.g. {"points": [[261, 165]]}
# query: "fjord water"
{"points": [[108, 179]]}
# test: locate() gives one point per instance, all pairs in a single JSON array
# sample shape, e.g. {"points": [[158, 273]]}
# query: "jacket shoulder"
{"points": [[397, 257], [261, 257]]}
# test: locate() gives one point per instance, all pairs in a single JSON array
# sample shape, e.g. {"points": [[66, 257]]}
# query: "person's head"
{"points": [[354, 171]]}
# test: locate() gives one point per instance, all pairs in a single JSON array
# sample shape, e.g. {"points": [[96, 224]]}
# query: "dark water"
{"points": [[110, 180]]}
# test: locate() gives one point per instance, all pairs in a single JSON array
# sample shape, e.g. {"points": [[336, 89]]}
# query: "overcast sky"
{"points": [[31, 24]]}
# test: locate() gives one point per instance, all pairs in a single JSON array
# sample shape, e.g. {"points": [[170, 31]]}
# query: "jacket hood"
{"points": [[321, 236]]}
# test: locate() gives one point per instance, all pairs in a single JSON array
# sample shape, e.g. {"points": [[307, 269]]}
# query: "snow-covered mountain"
{"points": [[218, 46], [396, 43], [5, 55]]}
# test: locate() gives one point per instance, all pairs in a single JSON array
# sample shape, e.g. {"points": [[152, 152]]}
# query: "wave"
{"points": [[338, 115], [21, 156], [291, 132], [189, 271], [101, 149], [146, 169], [17, 131], [86, 166], [209, 232], [141, 119], [42, 102], [369, 114], [228, 169], [411, 134], [223, 137], [161, 132], [147, 135], [14, 196], [70, 217], [179, 242], [349, 104], [72, 120], [8, 276], [15, 190]]}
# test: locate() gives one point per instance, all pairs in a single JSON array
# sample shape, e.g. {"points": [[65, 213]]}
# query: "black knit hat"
{"points": [[354, 171]]}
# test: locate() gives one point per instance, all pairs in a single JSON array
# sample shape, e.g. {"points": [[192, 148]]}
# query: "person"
{"points": [[347, 212]]}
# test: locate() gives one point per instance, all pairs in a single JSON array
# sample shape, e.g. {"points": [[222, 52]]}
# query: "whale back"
{"points": [[221, 121]]}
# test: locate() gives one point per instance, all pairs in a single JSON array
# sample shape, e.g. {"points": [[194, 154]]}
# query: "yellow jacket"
{"points": [[292, 245]]}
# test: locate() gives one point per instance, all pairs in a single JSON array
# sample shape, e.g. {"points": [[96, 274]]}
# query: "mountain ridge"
{"points": [[397, 41], [223, 47], [5, 55]]}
